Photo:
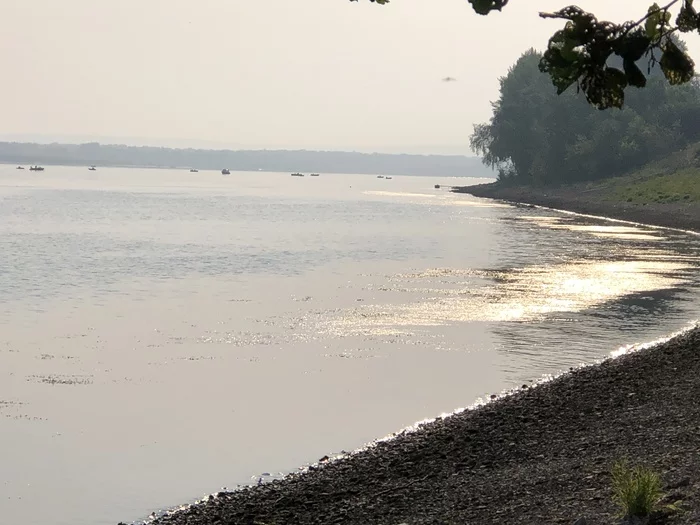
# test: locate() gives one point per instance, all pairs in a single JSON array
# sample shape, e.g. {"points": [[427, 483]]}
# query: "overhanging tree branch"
{"points": [[580, 54]]}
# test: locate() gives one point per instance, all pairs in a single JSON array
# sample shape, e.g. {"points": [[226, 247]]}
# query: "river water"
{"points": [[166, 334]]}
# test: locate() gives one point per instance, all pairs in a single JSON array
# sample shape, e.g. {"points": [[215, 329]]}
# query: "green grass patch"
{"points": [[636, 490], [681, 186], [672, 179]]}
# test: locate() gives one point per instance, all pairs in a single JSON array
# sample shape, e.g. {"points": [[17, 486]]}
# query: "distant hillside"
{"points": [[250, 160]]}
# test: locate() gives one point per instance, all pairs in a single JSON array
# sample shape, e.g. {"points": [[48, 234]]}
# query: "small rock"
{"points": [[683, 482]]}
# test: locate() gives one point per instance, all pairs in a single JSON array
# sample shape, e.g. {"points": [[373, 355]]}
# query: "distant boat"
{"points": [[225, 172], [437, 186], [195, 171], [36, 168], [20, 167], [380, 176], [92, 168], [388, 178], [314, 175], [297, 174]]}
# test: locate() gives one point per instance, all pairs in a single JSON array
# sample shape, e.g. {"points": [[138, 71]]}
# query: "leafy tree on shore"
{"points": [[580, 54], [537, 136]]}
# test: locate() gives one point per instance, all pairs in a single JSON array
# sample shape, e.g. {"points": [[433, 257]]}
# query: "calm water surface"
{"points": [[166, 333]]}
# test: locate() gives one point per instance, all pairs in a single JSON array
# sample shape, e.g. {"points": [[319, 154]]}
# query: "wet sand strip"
{"points": [[540, 456]]}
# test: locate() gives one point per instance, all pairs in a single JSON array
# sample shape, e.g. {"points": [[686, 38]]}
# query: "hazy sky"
{"points": [[314, 74]]}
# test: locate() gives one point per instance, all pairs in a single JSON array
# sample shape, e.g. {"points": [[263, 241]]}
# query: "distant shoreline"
{"points": [[677, 215], [115, 155]]}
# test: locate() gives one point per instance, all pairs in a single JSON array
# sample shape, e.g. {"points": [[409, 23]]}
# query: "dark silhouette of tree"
{"points": [[539, 136]]}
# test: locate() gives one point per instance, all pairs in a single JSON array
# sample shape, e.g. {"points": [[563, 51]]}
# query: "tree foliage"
{"points": [[580, 53], [540, 135]]}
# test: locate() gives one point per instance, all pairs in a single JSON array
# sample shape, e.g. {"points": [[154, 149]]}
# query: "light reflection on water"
{"points": [[525, 294], [168, 333]]}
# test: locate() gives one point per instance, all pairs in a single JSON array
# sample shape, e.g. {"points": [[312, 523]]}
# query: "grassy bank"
{"points": [[665, 193], [681, 186], [670, 180]]}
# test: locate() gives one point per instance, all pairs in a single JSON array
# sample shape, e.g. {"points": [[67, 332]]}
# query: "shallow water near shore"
{"points": [[168, 333]]}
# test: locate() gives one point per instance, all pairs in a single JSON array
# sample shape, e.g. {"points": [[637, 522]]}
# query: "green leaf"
{"points": [[635, 77], [484, 7], [561, 61], [677, 66], [605, 88], [568, 50], [582, 25], [687, 19], [633, 45], [653, 21]]}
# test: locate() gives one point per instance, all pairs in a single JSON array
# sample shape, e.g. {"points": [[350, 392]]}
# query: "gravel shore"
{"points": [[540, 456]]}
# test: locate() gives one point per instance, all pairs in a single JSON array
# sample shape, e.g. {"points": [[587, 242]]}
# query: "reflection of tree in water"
{"points": [[644, 309], [534, 244], [564, 339]]}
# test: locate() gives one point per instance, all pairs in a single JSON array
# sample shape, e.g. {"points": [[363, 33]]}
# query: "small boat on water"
{"points": [[314, 175], [225, 172], [380, 176], [20, 167], [388, 178], [194, 171], [297, 174], [92, 168], [36, 168], [437, 186]]}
